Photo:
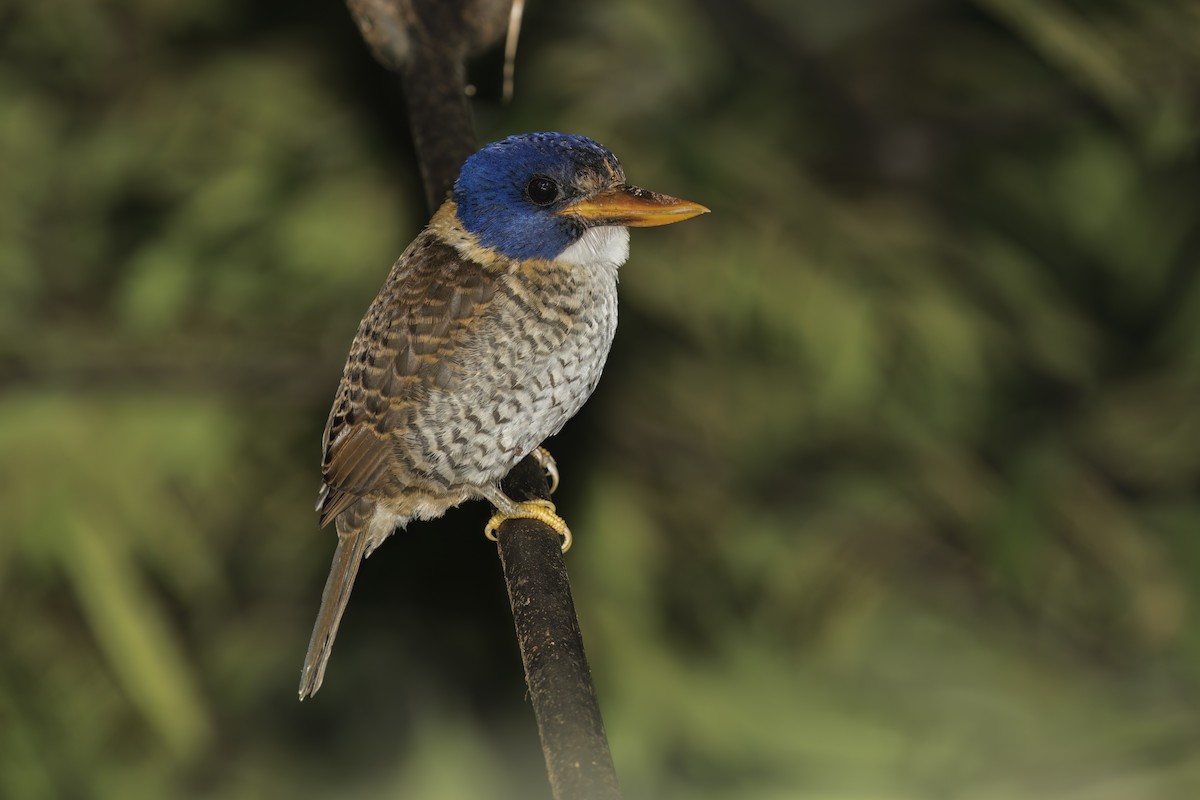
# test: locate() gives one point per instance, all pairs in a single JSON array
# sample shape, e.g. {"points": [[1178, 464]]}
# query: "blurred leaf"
{"points": [[1073, 43], [136, 640]]}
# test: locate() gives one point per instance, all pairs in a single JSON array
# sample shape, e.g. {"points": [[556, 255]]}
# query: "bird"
{"points": [[490, 332]]}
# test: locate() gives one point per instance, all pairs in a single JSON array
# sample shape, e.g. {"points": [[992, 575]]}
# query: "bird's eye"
{"points": [[542, 191]]}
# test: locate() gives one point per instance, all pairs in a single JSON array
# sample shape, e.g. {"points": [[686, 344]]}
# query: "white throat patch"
{"points": [[606, 246]]}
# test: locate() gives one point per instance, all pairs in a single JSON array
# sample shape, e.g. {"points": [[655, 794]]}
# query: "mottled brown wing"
{"points": [[407, 345]]}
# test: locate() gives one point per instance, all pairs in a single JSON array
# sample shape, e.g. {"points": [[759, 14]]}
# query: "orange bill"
{"points": [[629, 205]]}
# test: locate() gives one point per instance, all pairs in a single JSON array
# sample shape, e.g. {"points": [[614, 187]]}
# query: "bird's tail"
{"points": [[352, 546]]}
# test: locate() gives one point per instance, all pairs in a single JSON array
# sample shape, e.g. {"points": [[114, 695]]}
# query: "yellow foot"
{"points": [[549, 465], [541, 510]]}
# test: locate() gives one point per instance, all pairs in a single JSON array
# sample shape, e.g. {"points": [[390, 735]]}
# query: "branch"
{"points": [[578, 760], [427, 43]]}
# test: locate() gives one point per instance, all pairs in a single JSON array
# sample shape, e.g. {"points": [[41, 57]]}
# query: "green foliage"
{"points": [[890, 490]]}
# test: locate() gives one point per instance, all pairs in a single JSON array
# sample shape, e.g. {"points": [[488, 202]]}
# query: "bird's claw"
{"points": [[549, 466], [541, 510]]}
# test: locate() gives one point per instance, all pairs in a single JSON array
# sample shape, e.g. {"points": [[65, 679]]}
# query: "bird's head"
{"points": [[557, 195]]}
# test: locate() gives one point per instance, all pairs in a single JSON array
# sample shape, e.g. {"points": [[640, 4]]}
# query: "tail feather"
{"points": [[346, 559]]}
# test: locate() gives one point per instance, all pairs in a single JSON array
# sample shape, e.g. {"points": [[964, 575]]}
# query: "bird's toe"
{"points": [[541, 510]]}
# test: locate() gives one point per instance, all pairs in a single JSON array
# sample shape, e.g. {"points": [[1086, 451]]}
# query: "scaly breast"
{"points": [[534, 359]]}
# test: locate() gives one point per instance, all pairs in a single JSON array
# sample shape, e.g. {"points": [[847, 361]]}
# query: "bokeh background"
{"points": [[891, 490]]}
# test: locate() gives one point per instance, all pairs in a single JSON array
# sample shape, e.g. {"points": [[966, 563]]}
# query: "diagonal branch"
{"points": [[427, 43]]}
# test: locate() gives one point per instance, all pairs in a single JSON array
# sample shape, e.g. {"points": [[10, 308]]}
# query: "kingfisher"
{"points": [[489, 333]]}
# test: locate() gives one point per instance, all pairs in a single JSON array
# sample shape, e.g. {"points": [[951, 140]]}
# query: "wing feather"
{"points": [[405, 348]]}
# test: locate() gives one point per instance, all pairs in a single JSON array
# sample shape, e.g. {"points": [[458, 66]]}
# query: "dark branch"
{"points": [[427, 43], [560, 682]]}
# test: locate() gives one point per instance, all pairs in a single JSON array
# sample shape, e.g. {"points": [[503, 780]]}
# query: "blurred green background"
{"points": [[891, 490]]}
